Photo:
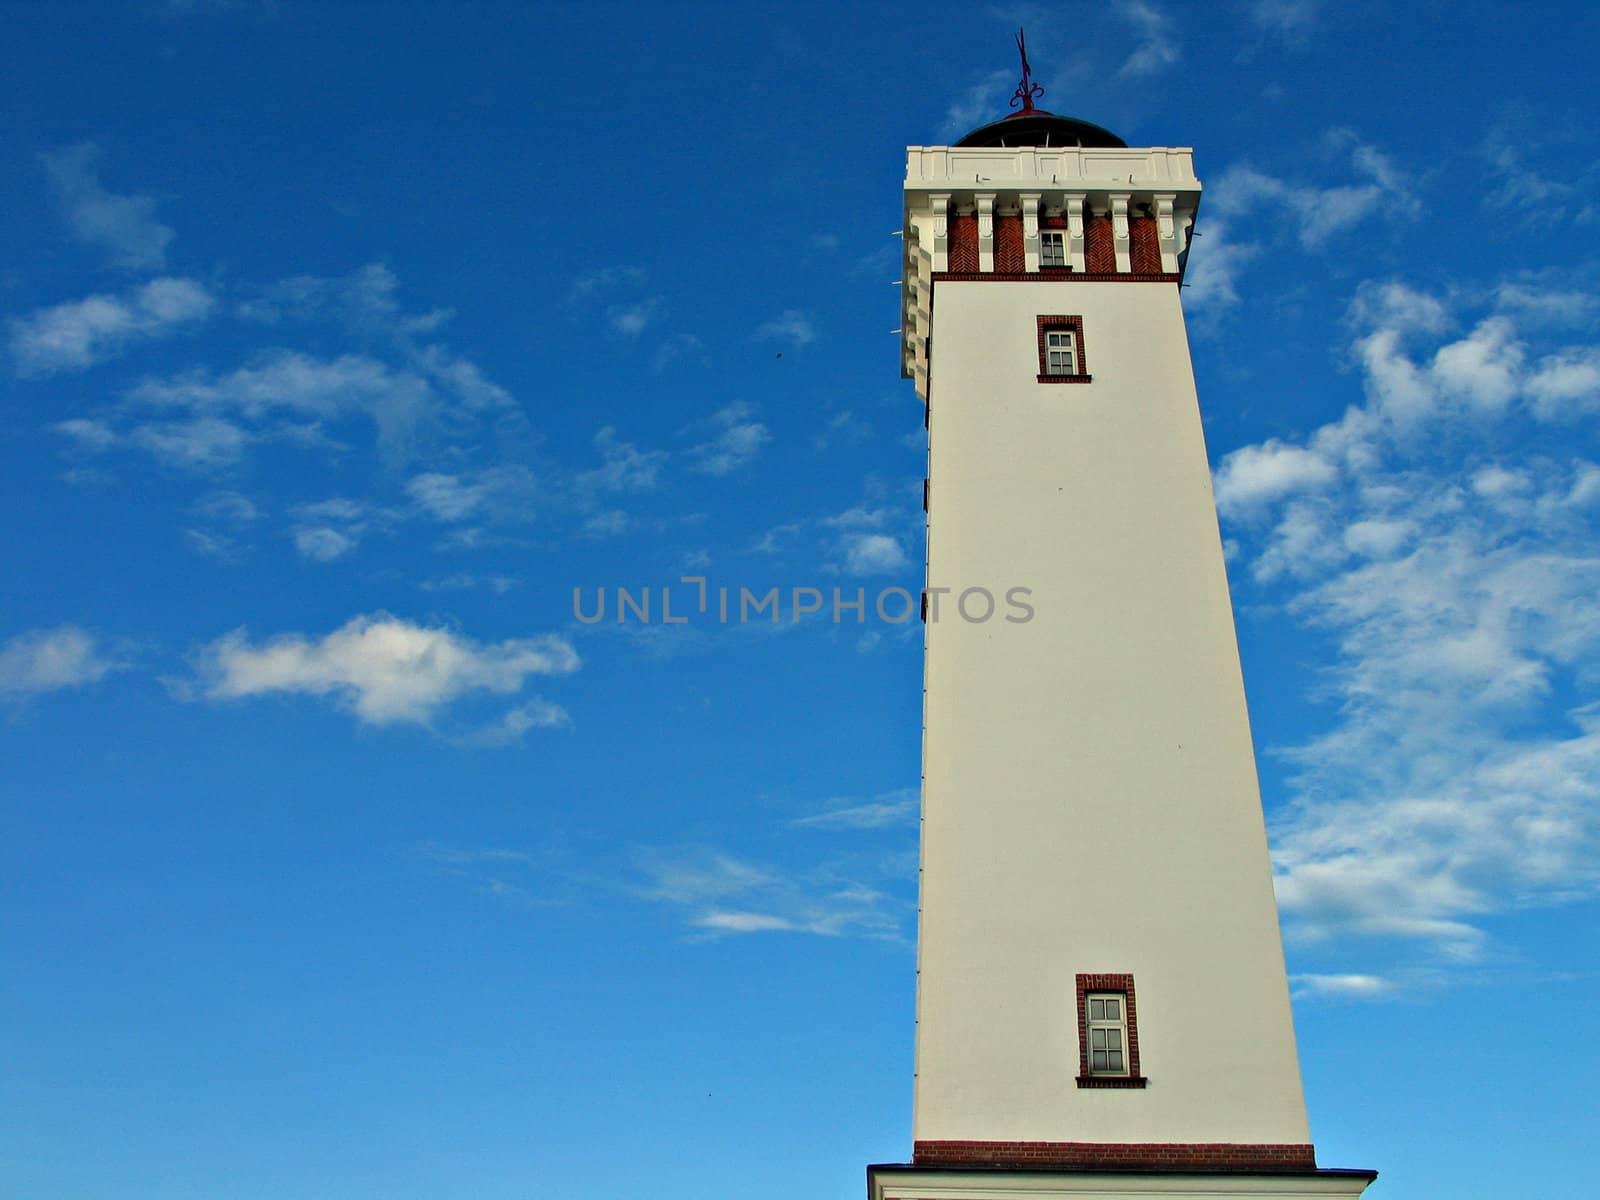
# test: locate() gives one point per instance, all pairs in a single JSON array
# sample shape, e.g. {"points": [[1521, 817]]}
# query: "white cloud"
{"points": [[1566, 385], [634, 318], [47, 660], [748, 922], [124, 227], [232, 507], [200, 444], [611, 523], [73, 336], [1158, 46], [1395, 306], [366, 302], [872, 554], [843, 427], [286, 386], [382, 668], [979, 104], [1250, 477], [445, 497], [505, 493], [790, 326], [89, 434], [606, 279], [736, 444], [1483, 368], [1546, 305], [858, 517], [323, 543], [1454, 573], [1291, 20], [624, 467], [514, 723], [1320, 212], [629, 316], [1341, 987], [1213, 267], [891, 809], [722, 894]]}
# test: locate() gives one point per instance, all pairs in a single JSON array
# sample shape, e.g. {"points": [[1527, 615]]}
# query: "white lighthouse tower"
{"points": [[1102, 1007]]}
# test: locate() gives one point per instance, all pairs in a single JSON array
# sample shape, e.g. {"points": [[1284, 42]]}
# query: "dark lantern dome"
{"points": [[1035, 127]]}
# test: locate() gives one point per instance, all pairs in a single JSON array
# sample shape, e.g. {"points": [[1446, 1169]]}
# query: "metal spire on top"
{"points": [[1027, 89]]}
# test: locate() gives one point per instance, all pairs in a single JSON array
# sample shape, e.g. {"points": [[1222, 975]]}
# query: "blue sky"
{"points": [[341, 343]]}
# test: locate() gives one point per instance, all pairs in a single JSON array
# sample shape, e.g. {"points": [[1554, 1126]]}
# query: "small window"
{"points": [[1061, 353], [1052, 248], [1108, 1032]]}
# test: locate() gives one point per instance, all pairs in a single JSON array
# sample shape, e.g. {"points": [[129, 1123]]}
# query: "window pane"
{"points": [[1114, 1040], [1097, 1039], [1100, 1061], [1113, 1010], [1115, 1059], [1097, 1008]]}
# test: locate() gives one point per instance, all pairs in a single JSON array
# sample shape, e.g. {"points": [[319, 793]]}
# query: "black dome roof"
{"points": [[1035, 127]]}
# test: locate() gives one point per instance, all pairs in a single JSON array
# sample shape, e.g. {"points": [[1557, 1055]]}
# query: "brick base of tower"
{"points": [[963, 1170]]}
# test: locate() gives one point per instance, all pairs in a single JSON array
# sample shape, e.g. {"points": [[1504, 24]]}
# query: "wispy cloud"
{"points": [[124, 227], [508, 493], [1158, 45], [737, 442], [1214, 265], [725, 895], [871, 554], [1254, 476], [384, 669], [76, 335], [1323, 211], [365, 302], [791, 327], [1460, 773], [842, 428], [48, 660], [329, 529], [1290, 20], [629, 307], [623, 467], [283, 388], [891, 809], [979, 104], [1341, 987], [509, 729]]}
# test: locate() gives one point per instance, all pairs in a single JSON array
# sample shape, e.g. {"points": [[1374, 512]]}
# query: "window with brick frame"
{"points": [[1052, 248], [1061, 350], [1108, 1032]]}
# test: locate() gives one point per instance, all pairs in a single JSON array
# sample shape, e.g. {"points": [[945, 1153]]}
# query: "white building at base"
{"points": [[1102, 1005]]}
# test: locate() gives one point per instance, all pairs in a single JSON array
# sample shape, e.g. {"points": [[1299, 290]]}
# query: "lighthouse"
{"points": [[1102, 1005]]}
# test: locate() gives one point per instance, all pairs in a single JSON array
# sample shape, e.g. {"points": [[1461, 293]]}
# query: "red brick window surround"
{"points": [[1061, 358], [1092, 1018]]}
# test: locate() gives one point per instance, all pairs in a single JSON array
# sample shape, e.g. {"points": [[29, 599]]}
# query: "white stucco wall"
{"points": [[1090, 801]]}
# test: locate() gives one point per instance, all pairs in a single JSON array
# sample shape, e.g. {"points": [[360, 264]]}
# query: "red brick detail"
{"points": [[1099, 245], [1145, 251], [1222, 1157], [1058, 221], [1045, 325], [964, 243], [1008, 255], [1048, 274], [1105, 982]]}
